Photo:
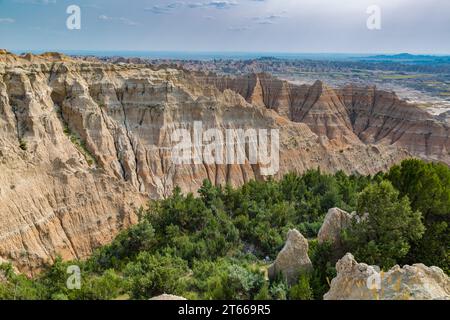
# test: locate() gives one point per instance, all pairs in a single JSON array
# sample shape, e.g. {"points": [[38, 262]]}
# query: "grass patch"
{"points": [[23, 145], [80, 145]]}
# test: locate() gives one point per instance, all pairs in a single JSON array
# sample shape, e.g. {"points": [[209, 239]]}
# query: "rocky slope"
{"points": [[83, 144]]}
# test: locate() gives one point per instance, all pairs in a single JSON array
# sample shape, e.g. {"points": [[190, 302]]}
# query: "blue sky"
{"points": [[417, 26]]}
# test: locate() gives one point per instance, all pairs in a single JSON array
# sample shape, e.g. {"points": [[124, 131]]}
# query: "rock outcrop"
{"points": [[83, 144], [293, 259], [358, 281], [335, 222]]}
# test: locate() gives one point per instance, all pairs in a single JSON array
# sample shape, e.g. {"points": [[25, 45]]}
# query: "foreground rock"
{"points": [[358, 281], [293, 259], [168, 297], [336, 220]]}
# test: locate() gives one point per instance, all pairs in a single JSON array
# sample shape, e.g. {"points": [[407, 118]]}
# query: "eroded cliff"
{"points": [[84, 144], [349, 115]]}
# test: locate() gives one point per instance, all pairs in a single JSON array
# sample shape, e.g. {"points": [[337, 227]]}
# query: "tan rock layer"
{"points": [[359, 281], [293, 259]]}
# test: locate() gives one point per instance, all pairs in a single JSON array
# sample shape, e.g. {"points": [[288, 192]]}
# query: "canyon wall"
{"points": [[84, 144], [349, 115]]}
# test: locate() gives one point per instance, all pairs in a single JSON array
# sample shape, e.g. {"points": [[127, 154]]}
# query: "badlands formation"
{"points": [[83, 144]]}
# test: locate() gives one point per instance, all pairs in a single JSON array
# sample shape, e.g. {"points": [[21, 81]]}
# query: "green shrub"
{"points": [[263, 293], [302, 290], [152, 275], [323, 260], [386, 229], [23, 145], [279, 290], [427, 185], [227, 279]]}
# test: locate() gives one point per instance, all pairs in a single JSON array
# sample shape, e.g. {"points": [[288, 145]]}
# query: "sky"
{"points": [[288, 26]]}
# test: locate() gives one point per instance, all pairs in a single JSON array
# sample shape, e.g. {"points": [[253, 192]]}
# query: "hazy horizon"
{"points": [[15, 50], [222, 55]]}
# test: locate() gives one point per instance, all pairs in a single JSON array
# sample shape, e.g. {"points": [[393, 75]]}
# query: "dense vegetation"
{"points": [[218, 245]]}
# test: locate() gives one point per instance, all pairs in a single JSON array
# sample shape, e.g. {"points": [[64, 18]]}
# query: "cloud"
{"points": [[268, 19], [45, 2], [224, 4], [158, 10], [169, 8], [118, 19], [38, 2], [166, 9], [238, 28], [6, 20], [266, 22]]}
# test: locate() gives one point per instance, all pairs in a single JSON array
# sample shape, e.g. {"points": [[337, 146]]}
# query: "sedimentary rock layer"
{"points": [[83, 144], [348, 115]]}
